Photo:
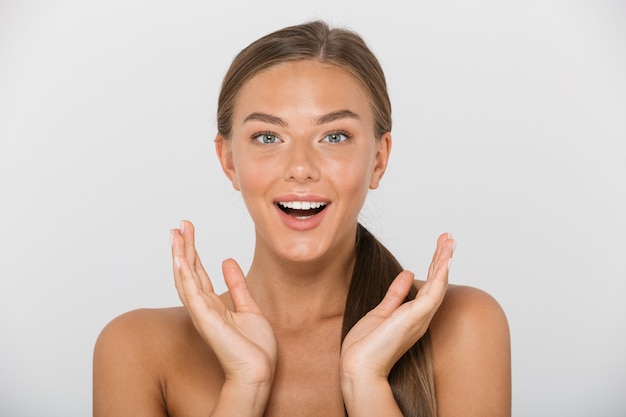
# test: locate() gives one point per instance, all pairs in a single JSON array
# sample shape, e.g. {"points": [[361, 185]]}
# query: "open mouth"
{"points": [[301, 210]]}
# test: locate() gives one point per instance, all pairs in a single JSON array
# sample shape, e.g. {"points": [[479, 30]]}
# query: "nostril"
{"points": [[302, 166]]}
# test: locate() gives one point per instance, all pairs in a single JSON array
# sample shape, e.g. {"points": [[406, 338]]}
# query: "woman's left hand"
{"points": [[381, 337]]}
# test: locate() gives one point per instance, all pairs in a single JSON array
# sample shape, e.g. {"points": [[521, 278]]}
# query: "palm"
{"points": [[382, 336], [375, 342], [244, 343]]}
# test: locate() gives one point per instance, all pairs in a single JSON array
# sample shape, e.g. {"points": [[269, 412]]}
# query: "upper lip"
{"points": [[301, 198]]}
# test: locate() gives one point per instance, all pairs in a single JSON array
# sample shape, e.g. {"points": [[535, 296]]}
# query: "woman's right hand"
{"points": [[243, 339]]}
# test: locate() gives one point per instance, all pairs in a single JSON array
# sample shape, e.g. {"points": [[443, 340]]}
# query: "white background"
{"points": [[509, 129]]}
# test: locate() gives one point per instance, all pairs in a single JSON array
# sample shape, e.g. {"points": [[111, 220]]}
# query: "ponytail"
{"points": [[411, 378]]}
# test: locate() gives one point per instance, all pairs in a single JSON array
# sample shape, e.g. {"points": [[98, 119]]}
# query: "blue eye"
{"points": [[266, 137], [336, 137]]}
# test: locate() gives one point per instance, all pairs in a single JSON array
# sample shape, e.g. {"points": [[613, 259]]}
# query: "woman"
{"points": [[326, 322]]}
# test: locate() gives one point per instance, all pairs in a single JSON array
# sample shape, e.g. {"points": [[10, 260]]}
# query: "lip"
{"points": [[301, 224], [301, 197]]}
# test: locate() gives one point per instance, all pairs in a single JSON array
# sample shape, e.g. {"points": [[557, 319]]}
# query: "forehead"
{"points": [[306, 85]]}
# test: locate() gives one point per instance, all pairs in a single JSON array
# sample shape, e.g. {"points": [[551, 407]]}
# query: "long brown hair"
{"points": [[411, 378]]}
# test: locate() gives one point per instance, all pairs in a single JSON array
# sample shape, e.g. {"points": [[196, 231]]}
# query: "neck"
{"points": [[293, 295]]}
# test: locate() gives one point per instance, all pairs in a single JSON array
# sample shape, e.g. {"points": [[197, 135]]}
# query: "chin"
{"points": [[302, 252]]}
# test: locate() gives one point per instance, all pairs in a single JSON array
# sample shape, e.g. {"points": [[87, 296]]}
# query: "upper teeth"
{"points": [[302, 205]]}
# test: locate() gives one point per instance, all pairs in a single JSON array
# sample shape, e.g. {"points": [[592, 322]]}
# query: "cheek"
{"points": [[253, 176], [351, 179]]}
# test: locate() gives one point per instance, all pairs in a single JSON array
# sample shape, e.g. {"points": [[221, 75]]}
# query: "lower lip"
{"points": [[301, 224]]}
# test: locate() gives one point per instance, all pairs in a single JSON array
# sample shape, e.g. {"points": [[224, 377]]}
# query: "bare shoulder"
{"points": [[137, 319], [470, 307], [134, 338], [469, 319], [136, 331], [138, 354], [472, 354], [465, 306]]}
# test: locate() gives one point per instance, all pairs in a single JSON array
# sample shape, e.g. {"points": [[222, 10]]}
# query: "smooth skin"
{"points": [[271, 344]]}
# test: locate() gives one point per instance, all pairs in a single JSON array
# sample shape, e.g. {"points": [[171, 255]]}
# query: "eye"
{"points": [[336, 137], [266, 137]]}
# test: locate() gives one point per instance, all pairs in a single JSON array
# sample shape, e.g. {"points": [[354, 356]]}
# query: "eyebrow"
{"points": [[267, 118], [327, 118], [336, 115]]}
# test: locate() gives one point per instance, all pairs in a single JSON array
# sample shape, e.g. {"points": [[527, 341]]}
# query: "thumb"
{"points": [[396, 294], [236, 283]]}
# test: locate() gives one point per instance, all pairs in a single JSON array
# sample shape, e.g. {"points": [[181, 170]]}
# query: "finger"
{"points": [[445, 255], [187, 231], [177, 253], [433, 261], [396, 294], [177, 243], [205, 280], [177, 278], [236, 283], [204, 310], [433, 291], [443, 242], [186, 286]]}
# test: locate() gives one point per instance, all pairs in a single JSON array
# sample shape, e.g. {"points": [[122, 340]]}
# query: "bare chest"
{"points": [[306, 382], [307, 376]]}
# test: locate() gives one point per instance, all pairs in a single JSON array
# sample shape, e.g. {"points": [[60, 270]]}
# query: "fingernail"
{"points": [[449, 263], [182, 227], [177, 262]]}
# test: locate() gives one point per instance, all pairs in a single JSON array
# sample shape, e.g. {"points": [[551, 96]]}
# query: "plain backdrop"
{"points": [[509, 131]]}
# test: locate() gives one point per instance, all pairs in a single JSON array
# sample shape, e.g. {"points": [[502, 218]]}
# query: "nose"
{"points": [[301, 163]]}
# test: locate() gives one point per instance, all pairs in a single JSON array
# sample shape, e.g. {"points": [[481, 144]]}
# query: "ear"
{"points": [[223, 148], [381, 160]]}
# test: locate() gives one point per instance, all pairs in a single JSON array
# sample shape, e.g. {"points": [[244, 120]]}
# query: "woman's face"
{"points": [[303, 154]]}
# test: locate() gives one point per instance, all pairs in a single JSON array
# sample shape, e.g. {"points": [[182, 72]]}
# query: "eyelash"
{"points": [[257, 136], [343, 133]]}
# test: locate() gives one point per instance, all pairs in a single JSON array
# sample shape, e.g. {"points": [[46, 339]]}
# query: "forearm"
{"points": [[365, 397], [237, 400]]}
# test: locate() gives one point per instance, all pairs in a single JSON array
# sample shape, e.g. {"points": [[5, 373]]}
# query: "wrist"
{"points": [[242, 399], [368, 396], [357, 386]]}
